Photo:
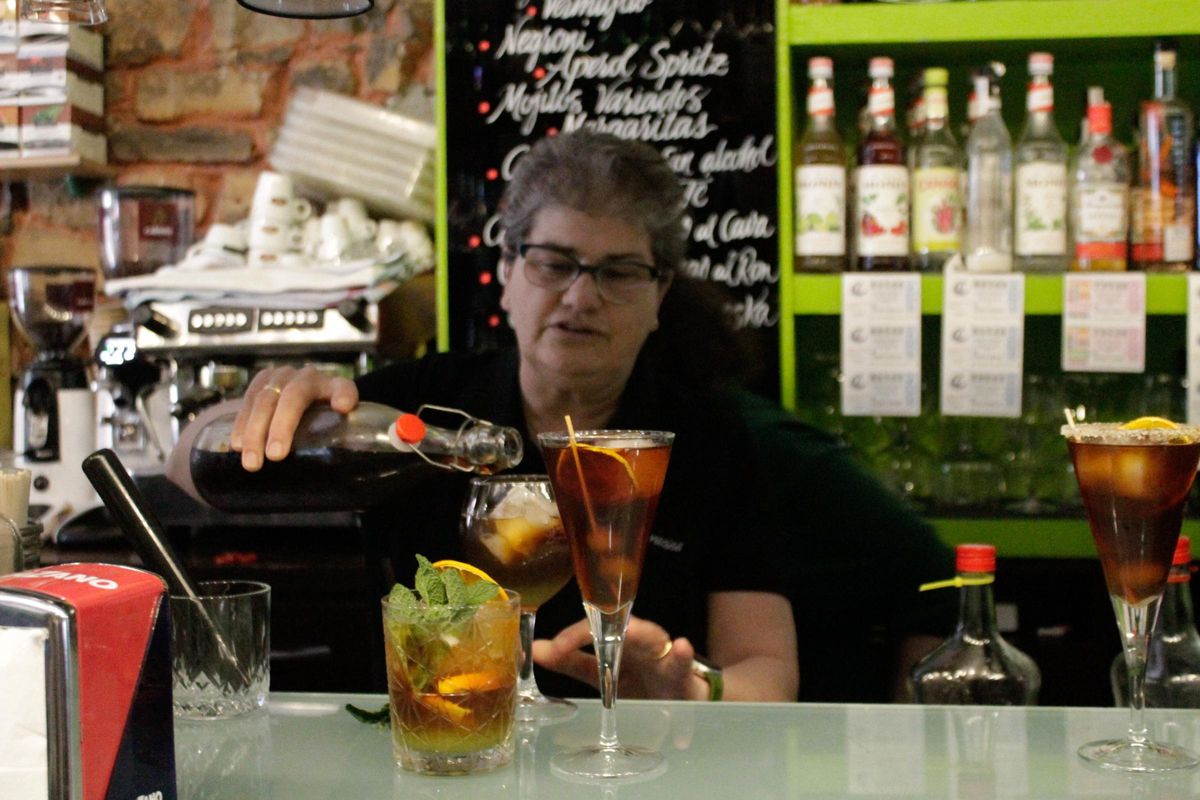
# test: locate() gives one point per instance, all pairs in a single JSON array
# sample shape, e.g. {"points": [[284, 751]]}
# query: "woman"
{"points": [[593, 237]]}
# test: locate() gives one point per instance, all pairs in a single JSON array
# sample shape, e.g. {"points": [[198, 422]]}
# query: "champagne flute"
{"points": [[1134, 480], [511, 529], [607, 484]]}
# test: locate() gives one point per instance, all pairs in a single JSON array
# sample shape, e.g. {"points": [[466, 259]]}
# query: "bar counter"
{"points": [[307, 747]]}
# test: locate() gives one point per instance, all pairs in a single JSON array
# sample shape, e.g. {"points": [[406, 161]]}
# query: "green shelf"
{"points": [[1020, 537], [817, 295], [999, 20]]}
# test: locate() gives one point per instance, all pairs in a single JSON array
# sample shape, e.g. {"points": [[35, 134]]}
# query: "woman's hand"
{"points": [[273, 404], [652, 665]]}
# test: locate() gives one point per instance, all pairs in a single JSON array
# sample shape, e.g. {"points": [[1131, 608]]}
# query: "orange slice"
{"points": [[447, 708], [606, 473], [1149, 423], [470, 573], [470, 682]]}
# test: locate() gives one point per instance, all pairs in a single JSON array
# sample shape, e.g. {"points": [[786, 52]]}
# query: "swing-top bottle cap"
{"points": [[975, 558], [1183, 552], [409, 428]]}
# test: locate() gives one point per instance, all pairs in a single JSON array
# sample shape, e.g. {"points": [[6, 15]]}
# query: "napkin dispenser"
{"points": [[85, 708]]}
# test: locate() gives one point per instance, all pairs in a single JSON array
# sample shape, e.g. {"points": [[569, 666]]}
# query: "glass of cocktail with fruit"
{"points": [[607, 485], [452, 645], [1135, 479], [511, 529]]}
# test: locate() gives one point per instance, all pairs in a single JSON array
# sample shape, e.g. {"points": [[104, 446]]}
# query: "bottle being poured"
{"points": [[347, 462]]}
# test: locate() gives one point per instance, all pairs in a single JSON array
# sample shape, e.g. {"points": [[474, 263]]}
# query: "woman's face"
{"points": [[574, 332]]}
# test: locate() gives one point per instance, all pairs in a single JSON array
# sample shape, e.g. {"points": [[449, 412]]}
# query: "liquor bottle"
{"points": [[1099, 193], [914, 117], [976, 666], [881, 182], [937, 205], [1040, 202], [1173, 657], [1164, 210], [347, 462], [820, 180], [988, 238]]}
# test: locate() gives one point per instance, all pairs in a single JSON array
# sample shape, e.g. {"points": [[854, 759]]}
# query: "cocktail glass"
{"points": [[607, 485], [511, 530], [1134, 484], [452, 683]]}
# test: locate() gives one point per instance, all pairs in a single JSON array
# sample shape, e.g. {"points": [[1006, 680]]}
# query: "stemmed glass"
{"points": [[1134, 483], [511, 530], [607, 484]]}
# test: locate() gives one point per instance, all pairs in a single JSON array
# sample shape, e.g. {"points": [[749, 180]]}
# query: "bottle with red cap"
{"points": [[976, 666], [348, 462], [820, 179], [1173, 657], [1099, 193]]}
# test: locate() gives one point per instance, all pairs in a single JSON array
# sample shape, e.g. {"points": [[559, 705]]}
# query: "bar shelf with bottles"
{"points": [[1000, 480]]}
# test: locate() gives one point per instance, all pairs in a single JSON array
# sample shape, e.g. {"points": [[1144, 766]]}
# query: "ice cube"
{"points": [[1135, 474], [523, 502]]}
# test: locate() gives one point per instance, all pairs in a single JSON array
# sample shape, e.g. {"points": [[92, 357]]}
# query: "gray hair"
{"points": [[602, 175]]}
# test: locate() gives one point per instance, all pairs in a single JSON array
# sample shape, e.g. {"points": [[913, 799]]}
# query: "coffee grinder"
{"points": [[54, 415]]}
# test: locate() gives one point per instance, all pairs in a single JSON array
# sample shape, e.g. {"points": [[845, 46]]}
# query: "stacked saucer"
{"points": [[335, 145]]}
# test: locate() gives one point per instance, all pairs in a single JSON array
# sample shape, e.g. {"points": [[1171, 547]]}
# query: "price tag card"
{"points": [[983, 344], [881, 345], [1104, 323], [1193, 349]]}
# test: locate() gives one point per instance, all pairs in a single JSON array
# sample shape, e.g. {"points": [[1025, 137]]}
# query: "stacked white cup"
{"points": [[344, 232], [276, 217]]}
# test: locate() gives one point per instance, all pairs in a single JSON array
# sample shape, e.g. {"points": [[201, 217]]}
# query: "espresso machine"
{"points": [[54, 408]]}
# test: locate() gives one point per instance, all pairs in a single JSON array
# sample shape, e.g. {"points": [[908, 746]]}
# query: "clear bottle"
{"points": [[937, 203], [988, 239], [914, 116], [1173, 656], [976, 666], [881, 182], [1099, 193], [347, 462], [1164, 205], [1040, 202], [820, 179]]}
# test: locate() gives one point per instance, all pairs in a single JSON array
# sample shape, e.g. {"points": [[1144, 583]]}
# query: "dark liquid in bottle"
{"points": [[317, 479], [881, 147]]}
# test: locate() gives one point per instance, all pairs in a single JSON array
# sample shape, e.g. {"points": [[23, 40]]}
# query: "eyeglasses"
{"points": [[554, 268]]}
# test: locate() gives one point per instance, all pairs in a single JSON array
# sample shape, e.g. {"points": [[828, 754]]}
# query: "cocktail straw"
{"points": [[1070, 415], [587, 500]]}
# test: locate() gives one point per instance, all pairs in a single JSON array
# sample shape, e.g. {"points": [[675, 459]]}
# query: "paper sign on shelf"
{"points": [[1193, 349], [1104, 323], [983, 345], [881, 345]]}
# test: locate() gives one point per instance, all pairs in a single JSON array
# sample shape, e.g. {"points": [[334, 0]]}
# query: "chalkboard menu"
{"points": [[695, 78]]}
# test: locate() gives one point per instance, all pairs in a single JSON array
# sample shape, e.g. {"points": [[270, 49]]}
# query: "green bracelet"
{"points": [[711, 674]]}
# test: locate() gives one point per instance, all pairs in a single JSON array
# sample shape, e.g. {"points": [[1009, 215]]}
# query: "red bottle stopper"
{"points": [[409, 428], [1183, 552], [975, 558]]}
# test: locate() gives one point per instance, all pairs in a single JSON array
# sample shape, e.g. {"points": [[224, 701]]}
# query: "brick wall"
{"points": [[195, 91]]}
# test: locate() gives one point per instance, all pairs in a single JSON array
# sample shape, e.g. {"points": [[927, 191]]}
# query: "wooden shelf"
{"points": [[999, 20], [817, 295], [51, 167]]}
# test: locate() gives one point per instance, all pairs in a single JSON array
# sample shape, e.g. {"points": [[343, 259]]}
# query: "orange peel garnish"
{"points": [[470, 573]]}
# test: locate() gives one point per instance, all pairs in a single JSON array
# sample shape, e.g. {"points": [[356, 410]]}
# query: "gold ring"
{"points": [[272, 387], [666, 650]]}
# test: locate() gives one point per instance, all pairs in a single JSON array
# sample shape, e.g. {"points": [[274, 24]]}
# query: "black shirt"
{"points": [[754, 500]]}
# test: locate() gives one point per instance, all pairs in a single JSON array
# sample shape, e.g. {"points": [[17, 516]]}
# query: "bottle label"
{"points": [[1040, 97], [1101, 220], [820, 210], [820, 101], [1040, 218], [937, 209], [881, 210], [1164, 204], [881, 101]]}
